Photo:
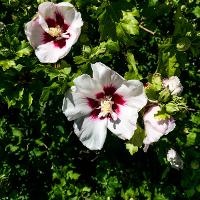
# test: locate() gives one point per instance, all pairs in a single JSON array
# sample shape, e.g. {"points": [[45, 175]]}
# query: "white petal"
{"points": [[75, 105], [43, 24], [49, 53], [153, 134], [64, 4], [155, 128], [75, 28], [87, 86], [91, 132], [133, 93], [170, 126], [125, 125], [67, 11], [47, 10], [34, 32], [77, 22], [106, 76], [71, 18]]}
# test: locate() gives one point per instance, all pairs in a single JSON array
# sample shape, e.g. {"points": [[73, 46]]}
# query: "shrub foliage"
{"points": [[41, 157]]}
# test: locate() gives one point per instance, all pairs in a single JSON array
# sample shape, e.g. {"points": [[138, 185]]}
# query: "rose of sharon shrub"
{"points": [[54, 30], [155, 128], [174, 85], [104, 101]]}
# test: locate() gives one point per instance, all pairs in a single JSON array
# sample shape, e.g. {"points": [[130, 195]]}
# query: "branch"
{"points": [[147, 30]]}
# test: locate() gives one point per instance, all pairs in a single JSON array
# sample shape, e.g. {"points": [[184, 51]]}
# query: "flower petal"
{"points": [[75, 105], [132, 92], [153, 134], [52, 51], [34, 32], [87, 86], [49, 53], [72, 18], [106, 76], [125, 125], [77, 22], [67, 11], [91, 132], [47, 10], [155, 128]]}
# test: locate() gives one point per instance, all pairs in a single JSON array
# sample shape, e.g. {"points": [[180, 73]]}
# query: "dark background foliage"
{"points": [[41, 157]]}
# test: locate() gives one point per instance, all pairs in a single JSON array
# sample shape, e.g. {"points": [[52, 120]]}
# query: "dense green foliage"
{"points": [[41, 157]]}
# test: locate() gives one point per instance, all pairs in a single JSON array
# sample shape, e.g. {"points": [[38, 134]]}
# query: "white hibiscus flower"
{"points": [[174, 85], [104, 101], [174, 159], [155, 128], [54, 30]]}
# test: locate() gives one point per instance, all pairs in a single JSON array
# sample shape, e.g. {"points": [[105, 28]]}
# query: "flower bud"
{"points": [[156, 128], [183, 44], [174, 85], [174, 159]]}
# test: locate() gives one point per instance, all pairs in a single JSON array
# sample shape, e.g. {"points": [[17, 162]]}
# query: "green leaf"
{"points": [[6, 64], [66, 71], [138, 137], [128, 25], [151, 93], [30, 99], [24, 49], [183, 44], [196, 11], [162, 115], [191, 138], [153, 2], [44, 96], [19, 67], [37, 152], [86, 189], [107, 27], [164, 95], [171, 108], [19, 97], [116, 23], [72, 175], [156, 81], [172, 66], [17, 133], [132, 65], [168, 65], [131, 148], [182, 24], [80, 60], [46, 92], [111, 46], [13, 148]]}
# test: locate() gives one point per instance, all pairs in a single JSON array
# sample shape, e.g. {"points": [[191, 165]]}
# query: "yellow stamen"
{"points": [[55, 31], [106, 107]]}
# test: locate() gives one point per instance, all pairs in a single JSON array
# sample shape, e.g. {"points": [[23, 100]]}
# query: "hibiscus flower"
{"points": [[155, 128], [104, 101], [54, 30]]}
